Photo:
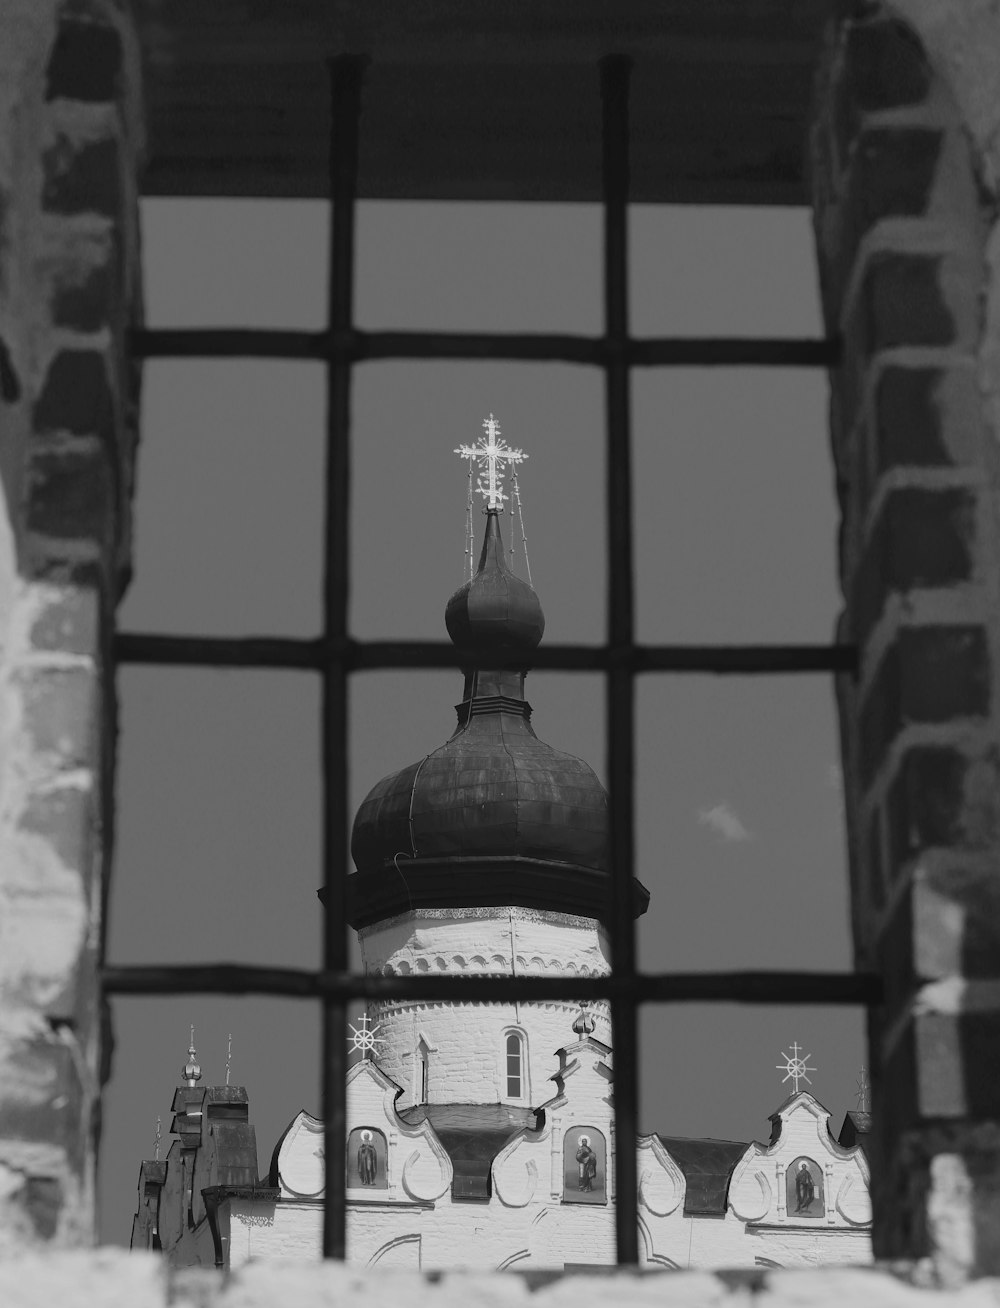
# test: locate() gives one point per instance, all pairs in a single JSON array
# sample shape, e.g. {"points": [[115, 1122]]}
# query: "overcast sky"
{"points": [[740, 835]]}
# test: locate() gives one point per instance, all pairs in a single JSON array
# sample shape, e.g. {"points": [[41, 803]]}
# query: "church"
{"points": [[482, 1134]]}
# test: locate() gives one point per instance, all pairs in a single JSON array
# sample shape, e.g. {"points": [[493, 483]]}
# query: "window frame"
{"points": [[335, 656], [423, 1071], [519, 1037]]}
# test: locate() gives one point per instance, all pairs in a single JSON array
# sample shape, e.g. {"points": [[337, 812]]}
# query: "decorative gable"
{"points": [[803, 1177], [388, 1158], [661, 1181]]}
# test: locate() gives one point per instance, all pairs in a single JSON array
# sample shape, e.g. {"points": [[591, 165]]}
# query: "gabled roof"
{"points": [[856, 1127], [473, 1135], [707, 1166]]}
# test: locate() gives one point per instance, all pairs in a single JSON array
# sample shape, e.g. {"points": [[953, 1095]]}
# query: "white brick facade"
{"points": [[528, 1223], [538, 1214], [465, 1043]]}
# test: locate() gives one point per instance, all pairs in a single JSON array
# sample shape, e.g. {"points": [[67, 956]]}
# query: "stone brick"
{"points": [[900, 302], [884, 67], [76, 397], [912, 406], [58, 710], [82, 178], [65, 818], [946, 923], [82, 298], [944, 1066], [62, 571], [43, 1202], [45, 1101], [923, 538], [70, 622], [941, 797], [891, 175], [928, 674], [71, 495], [86, 62], [939, 1197]]}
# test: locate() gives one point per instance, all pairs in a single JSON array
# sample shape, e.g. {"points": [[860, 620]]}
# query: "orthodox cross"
{"points": [[795, 1067], [491, 453], [863, 1091], [156, 1139]]}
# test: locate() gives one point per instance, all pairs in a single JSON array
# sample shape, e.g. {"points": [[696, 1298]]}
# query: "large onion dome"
{"points": [[494, 816]]}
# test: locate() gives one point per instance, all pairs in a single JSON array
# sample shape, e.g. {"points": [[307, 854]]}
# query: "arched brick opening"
{"points": [[69, 275], [905, 177], [904, 194]]}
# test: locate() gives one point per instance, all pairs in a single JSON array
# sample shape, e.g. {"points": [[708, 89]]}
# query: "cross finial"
{"points": [[795, 1067], [491, 452], [365, 1038], [229, 1055], [863, 1091], [156, 1139]]}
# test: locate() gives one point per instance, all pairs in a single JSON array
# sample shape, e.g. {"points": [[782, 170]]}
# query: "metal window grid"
{"points": [[335, 655]]}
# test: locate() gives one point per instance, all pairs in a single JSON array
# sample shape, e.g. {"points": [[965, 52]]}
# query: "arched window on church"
{"points": [[423, 1071], [515, 1065]]}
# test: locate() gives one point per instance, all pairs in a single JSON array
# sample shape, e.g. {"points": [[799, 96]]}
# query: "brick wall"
{"points": [[119, 1280], [905, 195], [69, 286]]}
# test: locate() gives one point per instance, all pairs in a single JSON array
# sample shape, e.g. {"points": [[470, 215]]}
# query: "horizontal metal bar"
{"points": [[746, 658], [226, 343], [723, 351], [353, 346], [276, 652], [695, 987], [218, 651], [554, 347]]}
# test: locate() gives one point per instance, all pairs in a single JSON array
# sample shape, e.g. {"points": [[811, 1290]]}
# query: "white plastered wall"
{"points": [[466, 1041]]}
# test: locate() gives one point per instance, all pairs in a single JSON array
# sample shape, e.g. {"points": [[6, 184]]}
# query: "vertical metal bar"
{"points": [[615, 71], [345, 89]]}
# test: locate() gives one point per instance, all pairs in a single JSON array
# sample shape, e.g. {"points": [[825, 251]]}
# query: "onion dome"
{"points": [[191, 1072], [494, 816], [584, 1023], [495, 610]]}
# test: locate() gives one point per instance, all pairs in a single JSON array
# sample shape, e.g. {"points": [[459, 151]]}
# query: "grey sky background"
{"points": [[739, 805]]}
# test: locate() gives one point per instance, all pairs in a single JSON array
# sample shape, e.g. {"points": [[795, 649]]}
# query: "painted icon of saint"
{"points": [[805, 1189], [367, 1160], [586, 1162]]}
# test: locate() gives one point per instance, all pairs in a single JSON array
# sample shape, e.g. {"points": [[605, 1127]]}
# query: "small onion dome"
{"points": [[192, 1068], [584, 1022], [495, 610], [494, 816]]}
